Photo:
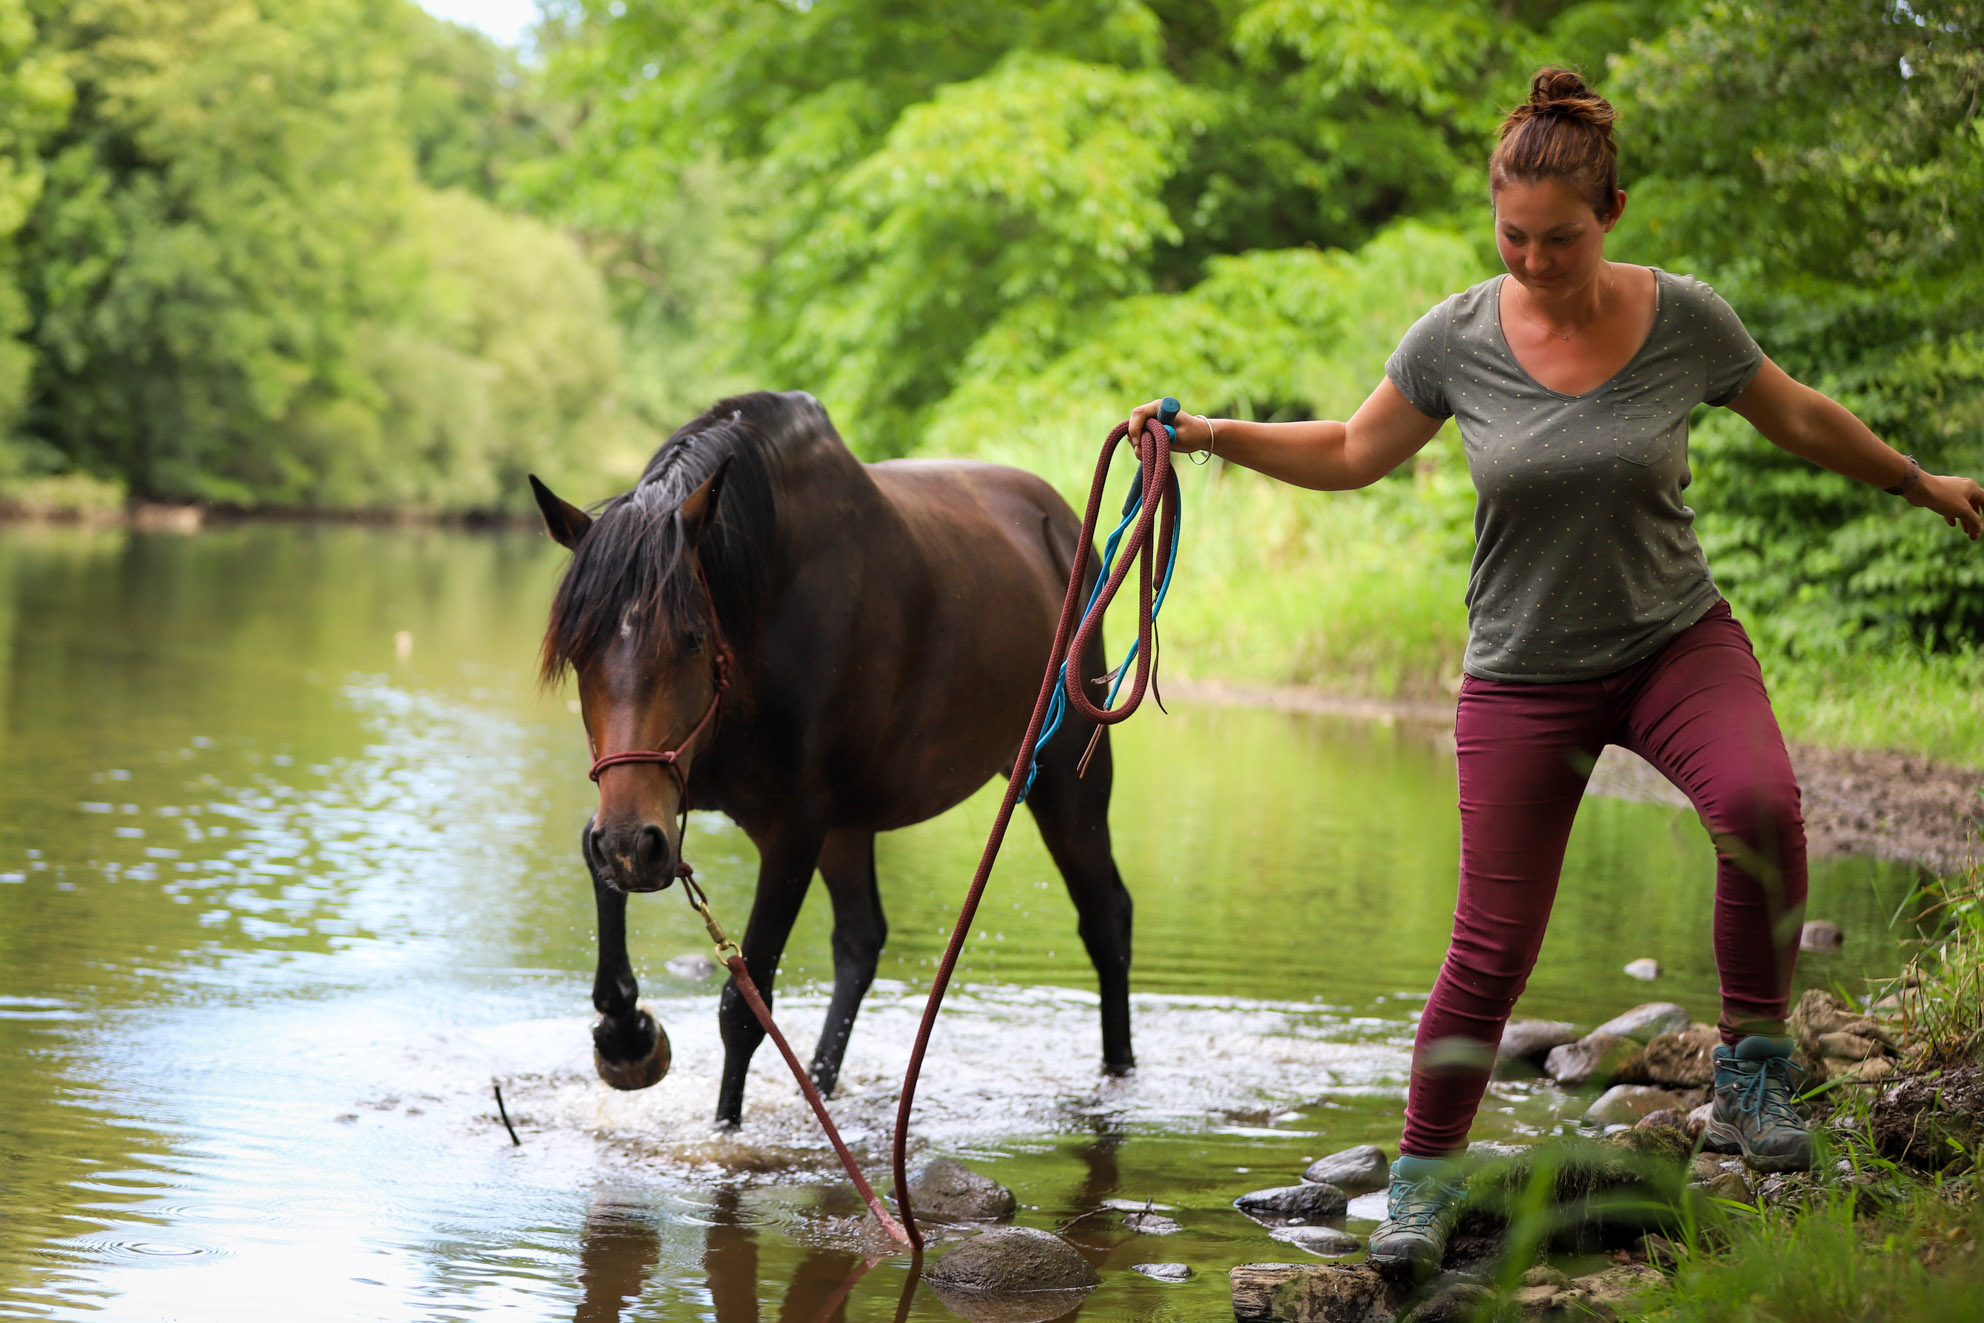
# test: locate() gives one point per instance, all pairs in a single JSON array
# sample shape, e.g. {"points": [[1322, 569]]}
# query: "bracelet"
{"points": [[1212, 444], [1901, 488]]}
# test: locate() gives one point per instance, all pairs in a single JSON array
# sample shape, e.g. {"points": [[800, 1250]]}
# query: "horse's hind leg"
{"points": [[1073, 815], [785, 870], [847, 862]]}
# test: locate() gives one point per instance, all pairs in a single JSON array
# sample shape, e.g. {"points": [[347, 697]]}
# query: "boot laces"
{"points": [[1766, 1092], [1415, 1206]]}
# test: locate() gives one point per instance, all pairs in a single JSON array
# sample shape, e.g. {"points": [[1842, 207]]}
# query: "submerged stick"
{"points": [[504, 1112]]}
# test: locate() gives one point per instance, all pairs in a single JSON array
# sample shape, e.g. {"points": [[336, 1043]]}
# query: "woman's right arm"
{"points": [[1326, 456]]}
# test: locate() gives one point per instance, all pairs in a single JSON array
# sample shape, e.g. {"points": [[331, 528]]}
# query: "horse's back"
{"points": [[970, 507], [963, 577]]}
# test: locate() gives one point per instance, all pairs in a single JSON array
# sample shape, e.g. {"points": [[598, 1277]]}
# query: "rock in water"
{"points": [[1309, 1202], [1325, 1241], [1821, 935], [1624, 1104], [1644, 968], [1597, 1058], [696, 966], [1645, 1021], [1164, 1272], [952, 1191], [1526, 1042], [1147, 1223], [1285, 1292], [1686, 1058], [1353, 1171], [1008, 1261], [1025, 1307]]}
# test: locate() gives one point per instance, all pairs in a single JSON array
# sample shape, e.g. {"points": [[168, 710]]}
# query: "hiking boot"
{"points": [[1419, 1216], [1753, 1113]]}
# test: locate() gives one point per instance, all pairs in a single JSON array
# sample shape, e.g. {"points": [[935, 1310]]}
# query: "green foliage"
{"points": [[924, 201], [1839, 220], [1019, 222], [34, 98], [243, 286]]}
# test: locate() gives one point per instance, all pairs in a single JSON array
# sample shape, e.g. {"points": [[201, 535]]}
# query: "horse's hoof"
{"points": [[630, 1060], [1118, 1069]]}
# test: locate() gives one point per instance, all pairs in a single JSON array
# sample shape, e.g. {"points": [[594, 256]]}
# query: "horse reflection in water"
{"points": [[622, 1247], [821, 649]]}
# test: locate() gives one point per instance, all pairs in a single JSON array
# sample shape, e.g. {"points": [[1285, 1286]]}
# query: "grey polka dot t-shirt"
{"points": [[1585, 558]]}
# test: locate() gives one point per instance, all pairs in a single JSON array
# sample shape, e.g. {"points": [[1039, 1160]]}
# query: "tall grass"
{"points": [[1915, 1263], [1894, 697]]}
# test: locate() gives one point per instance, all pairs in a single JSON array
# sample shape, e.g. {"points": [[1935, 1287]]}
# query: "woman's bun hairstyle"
{"points": [[1563, 132]]}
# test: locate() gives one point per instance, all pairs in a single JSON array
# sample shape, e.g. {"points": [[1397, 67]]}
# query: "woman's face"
{"points": [[1551, 240]]}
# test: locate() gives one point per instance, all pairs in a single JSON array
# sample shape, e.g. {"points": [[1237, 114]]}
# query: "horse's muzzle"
{"points": [[635, 861]]}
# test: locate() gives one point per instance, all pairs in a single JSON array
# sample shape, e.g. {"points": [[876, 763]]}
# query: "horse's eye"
{"points": [[692, 643]]}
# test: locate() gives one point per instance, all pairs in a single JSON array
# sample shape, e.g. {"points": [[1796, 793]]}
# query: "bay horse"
{"points": [[828, 649]]}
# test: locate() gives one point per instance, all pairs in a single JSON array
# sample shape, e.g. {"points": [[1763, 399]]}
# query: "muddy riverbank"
{"points": [[1857, 801]]}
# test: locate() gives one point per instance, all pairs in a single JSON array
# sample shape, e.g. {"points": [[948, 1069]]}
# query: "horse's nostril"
{"points": [[651, 850]]}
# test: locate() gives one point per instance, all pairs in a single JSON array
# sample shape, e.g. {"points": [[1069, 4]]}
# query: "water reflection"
{"points": [[617, 1255], [279, 896]]}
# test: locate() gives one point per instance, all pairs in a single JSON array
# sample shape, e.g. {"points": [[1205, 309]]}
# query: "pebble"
{"points": [[1353, 1171], [944, 1188], [1370, 1207], [1821, 935], [1624, 1104], [1645, 1021], [1526, 1042], [696, 966], [1309, 1202], [1594, 1059], [1151, 1224], [1008, 1260], [1164, 1272], [1645, 968], [1685, 1058]]}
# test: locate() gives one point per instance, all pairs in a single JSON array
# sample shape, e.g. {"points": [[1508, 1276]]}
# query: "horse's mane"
{"points": [[633, 553]]}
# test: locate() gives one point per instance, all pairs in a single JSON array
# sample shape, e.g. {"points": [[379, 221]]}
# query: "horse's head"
{"points": [[634, 620]]}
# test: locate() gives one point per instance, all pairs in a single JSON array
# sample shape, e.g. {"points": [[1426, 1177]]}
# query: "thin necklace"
{"points": [[1566, 335]]}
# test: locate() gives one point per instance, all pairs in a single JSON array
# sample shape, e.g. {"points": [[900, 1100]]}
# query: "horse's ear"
{"points": [[698, 508], [564, 521]]}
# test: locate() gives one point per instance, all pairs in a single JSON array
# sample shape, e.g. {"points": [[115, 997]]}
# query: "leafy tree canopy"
{"points": [[254, 269], [941, 220]]}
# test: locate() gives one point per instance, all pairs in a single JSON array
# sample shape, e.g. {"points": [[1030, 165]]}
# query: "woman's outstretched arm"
{"points": [[1327, 456], [1812, 426]]}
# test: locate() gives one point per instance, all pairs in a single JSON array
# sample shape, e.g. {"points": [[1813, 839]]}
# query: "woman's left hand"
{"points": [[1960, 501]]}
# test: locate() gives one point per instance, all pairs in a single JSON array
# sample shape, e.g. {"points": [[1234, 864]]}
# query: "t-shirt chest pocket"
{"points": [[1647, 415], [1640, 431]]}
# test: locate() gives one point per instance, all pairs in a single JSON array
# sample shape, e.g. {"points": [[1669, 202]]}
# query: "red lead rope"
{"points": [[1160, 489]]}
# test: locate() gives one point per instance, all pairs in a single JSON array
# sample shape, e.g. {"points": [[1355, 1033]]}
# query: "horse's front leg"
{"points": [[785, 870], [629, 1050]]}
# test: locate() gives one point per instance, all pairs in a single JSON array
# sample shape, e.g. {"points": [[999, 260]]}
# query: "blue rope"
{"points": [[1057, 706]]}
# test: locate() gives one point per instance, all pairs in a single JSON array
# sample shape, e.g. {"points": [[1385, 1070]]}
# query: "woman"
{"points": [[1592, 618]]}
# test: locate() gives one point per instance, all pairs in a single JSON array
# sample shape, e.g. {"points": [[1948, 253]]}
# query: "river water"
{"points": [[288, 885]]}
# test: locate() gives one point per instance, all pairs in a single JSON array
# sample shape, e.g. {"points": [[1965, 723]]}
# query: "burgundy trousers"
{"points": [[1698, 712]]}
